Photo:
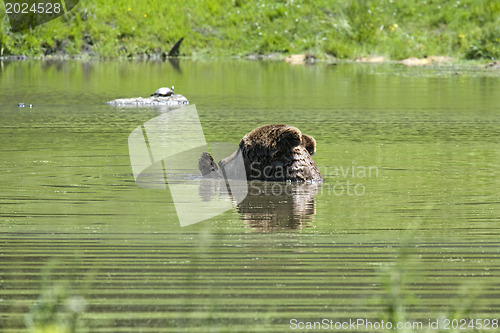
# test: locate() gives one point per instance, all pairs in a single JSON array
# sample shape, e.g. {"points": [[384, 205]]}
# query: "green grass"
{"points": [[58, 309], [465, 29]]}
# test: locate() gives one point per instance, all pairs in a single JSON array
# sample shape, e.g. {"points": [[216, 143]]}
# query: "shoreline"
{"points": [[304, 59]]}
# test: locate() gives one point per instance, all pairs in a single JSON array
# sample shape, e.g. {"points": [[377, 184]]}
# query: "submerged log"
{"points": [[174, 51]]}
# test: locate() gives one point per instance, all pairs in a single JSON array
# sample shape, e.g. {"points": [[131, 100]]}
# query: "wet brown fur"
{"points": [[272, 152]]}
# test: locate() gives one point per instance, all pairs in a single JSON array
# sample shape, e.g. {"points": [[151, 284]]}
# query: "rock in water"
{"points": [[162, 97]]}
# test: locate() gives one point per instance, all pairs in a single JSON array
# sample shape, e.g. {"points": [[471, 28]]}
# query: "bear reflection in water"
{"points": [[271, 206]]}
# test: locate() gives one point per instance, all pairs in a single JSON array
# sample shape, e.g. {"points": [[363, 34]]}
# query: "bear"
{"points": [[274, 152]]}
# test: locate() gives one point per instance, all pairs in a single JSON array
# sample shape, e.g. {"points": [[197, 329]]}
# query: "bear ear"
{"points": [[309, 143], [289, 137], [242, 143]]}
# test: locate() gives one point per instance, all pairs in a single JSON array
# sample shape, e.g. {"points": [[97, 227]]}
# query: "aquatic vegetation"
{"points": [[55, 311], [396, 29], [399, 281], [58, 308]]}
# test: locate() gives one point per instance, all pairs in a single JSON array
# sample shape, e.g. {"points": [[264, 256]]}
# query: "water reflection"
{"points": [[273, 206], [175, 64], [68, 195], [270, 206]]}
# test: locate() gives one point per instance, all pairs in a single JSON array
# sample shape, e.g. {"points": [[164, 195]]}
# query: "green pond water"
{"points": [[405, 226]]}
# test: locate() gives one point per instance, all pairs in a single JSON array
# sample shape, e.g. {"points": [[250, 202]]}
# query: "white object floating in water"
{"points": [[162, 97]]}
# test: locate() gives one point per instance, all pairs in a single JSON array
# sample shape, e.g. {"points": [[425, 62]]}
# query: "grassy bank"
{"points": [[465, 29]]}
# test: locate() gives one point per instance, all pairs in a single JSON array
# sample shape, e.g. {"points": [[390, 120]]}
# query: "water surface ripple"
{"points": [[408, 217]]}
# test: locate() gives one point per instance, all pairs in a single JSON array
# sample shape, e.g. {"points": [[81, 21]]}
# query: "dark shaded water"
{"points": [[405, 226]]}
